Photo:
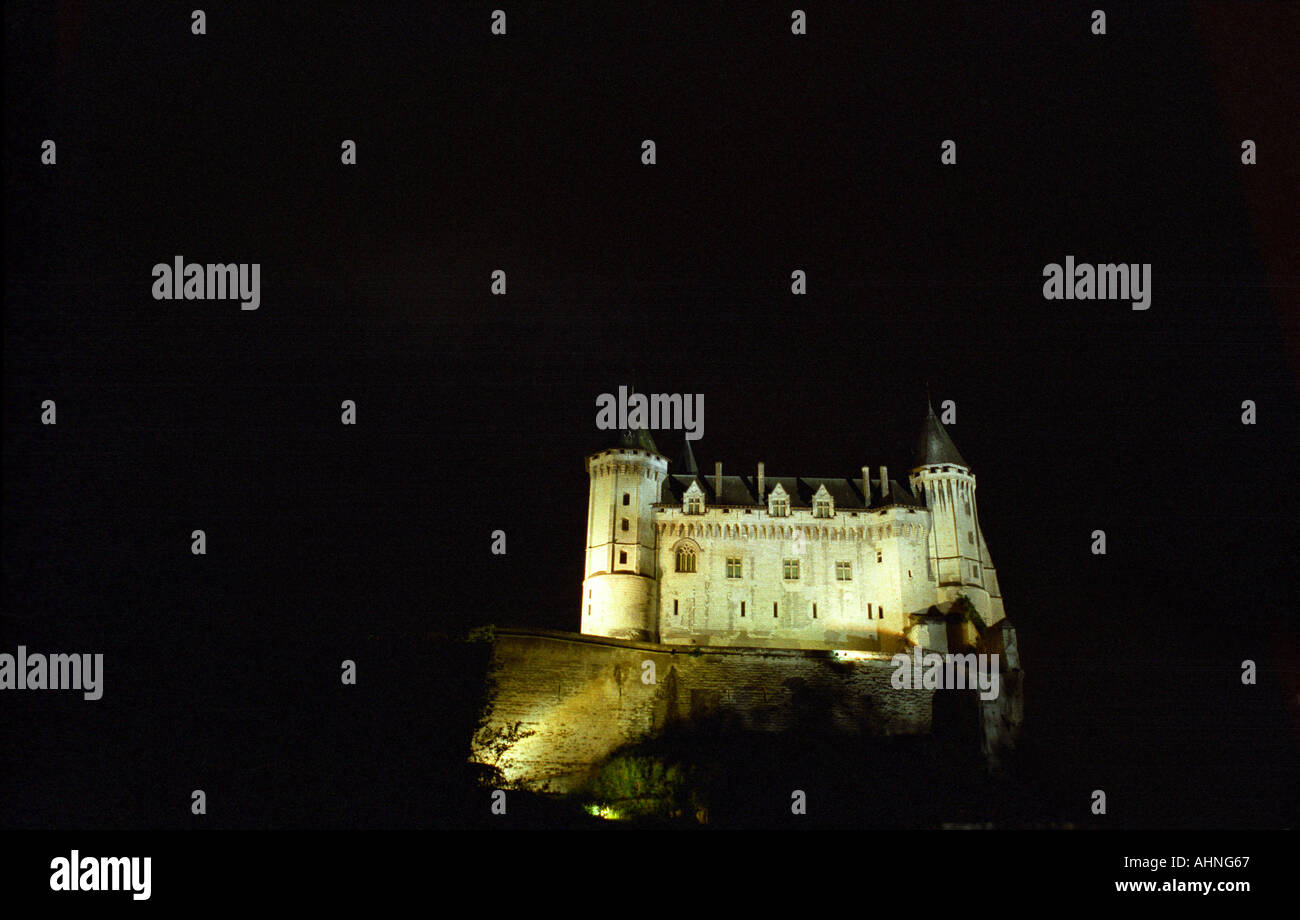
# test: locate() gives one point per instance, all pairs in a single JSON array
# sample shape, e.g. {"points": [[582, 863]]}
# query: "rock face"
{"points": [[560, 703]]}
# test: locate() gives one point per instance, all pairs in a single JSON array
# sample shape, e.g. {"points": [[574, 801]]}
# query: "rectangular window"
{"points": [[790, 569], [814, 611], [742, 608], [843, 571], [879, 556], [622, 557], [733, 568], [773, 608]]}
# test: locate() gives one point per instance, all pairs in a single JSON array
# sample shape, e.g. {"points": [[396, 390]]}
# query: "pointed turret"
{"points": [[619, 591], [959, 557], [637, 439], [934, 447], [687, 465]]}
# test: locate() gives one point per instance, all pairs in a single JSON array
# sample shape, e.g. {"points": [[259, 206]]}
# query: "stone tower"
{"points": [[620, 597], [944, 481]]}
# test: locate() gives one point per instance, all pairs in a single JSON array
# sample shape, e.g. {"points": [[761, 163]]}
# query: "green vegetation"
{"points": [[486, 633], [963, 611], [646, 786]]}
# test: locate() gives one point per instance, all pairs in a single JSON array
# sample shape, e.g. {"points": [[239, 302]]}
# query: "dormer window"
{"points": [[693, 500], [778, 503], [823, 504]]}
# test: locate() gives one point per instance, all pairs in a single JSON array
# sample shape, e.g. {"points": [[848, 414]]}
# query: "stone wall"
{"points": [[867, 610], [560, 703]]}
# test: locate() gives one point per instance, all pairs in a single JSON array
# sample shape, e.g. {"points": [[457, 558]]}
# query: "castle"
{"points": [[790, 562], [769, 604]]}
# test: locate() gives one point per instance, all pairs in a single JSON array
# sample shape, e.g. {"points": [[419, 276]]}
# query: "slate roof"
{"points": [[637, 438], [743, 491], [934, 446], [687, 465]]}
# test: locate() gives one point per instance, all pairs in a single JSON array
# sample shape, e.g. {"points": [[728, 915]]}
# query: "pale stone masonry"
{"points": [[859, 563], [561, 704], [739, 596]]}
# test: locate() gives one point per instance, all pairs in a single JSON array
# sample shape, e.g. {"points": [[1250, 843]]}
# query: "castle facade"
{"points": [[862, 563]]}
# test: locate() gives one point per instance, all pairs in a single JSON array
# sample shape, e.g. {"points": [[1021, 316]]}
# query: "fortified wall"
{"points": [[560, 703]]}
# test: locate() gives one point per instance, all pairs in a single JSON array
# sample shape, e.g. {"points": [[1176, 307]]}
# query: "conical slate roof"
{"points": [[637, 438], [688, 466], [934, 446]]}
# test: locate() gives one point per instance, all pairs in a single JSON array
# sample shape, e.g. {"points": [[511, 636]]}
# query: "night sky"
{"points": [[522, 153]]}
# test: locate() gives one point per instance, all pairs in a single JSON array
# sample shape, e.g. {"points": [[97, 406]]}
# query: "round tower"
{"points": [[943, 480], [620, 583]]}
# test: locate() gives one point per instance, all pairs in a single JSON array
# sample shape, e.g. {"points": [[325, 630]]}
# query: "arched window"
{"points": [[627, 499], [686, 559]]}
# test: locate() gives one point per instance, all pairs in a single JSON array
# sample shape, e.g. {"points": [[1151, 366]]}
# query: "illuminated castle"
{"points": [[794, 562]]}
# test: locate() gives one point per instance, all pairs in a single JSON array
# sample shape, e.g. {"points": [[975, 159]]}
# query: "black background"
{"points": [[522, 153]]}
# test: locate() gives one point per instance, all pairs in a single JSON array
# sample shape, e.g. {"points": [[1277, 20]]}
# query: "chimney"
{"points": [[717, 481], [884, 485], [762, 481], [866, 488]]}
